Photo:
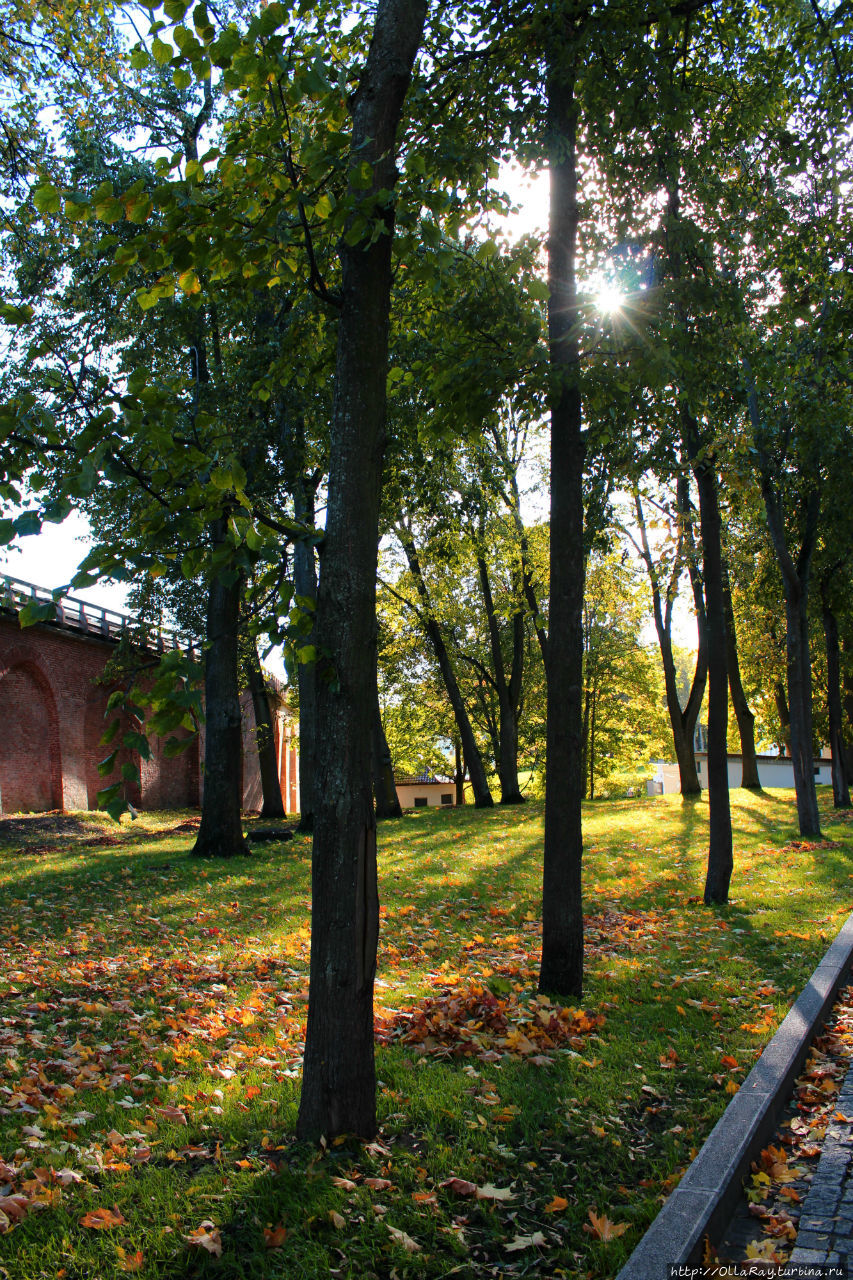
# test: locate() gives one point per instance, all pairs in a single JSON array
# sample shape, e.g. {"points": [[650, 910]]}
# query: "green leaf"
{"points": [[182, 78], [106, 766], [36, 611], [129, 772], [163, 53], [109, 210], [47, 199]]}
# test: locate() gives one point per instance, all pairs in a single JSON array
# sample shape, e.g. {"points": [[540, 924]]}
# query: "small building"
{"points": [[424, 791], [773, 771]]}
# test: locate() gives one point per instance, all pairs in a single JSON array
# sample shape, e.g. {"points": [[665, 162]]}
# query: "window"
{"points": [[447, 798], [420, 802]]}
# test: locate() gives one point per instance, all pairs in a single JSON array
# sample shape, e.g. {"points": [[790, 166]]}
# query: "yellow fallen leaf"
{"points": [[602, 1228], [206, 1236], [337, 1219]]}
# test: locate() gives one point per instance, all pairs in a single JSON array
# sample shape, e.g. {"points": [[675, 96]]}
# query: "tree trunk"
{"points": [[743, 714], [339, 1074], [473, 758], [459, 772], [384, 791], [840, 788], [720, 857], [273, 805], [508, 691], [220, 833], [682, 722], [305, 585], [561, 971], [781, 699], [795, 582]]}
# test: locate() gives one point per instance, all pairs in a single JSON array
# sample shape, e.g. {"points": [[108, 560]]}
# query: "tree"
{"points": [[339, 1080]]}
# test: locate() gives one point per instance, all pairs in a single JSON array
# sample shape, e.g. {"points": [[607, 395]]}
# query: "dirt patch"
{"points": [[28, 826]]}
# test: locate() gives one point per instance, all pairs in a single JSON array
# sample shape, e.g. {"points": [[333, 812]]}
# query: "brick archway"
{"points": [[30, 757]]}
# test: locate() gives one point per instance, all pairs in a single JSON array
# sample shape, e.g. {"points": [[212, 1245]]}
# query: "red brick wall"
{"points": [[52, 716]]}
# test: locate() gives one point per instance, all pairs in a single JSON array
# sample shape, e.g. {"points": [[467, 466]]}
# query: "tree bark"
{"points": [[561, 971], [840, 788], [384, 791], [508, 691], [720, 857], [459, 772], [273, 805], [305, 585], [682, 721], [473, 758], [220, 833], [743, 714], [339, 1074], [795, 581]]}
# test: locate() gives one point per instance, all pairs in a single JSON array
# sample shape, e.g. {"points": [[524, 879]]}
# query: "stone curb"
{"points": [[704, 1199]]}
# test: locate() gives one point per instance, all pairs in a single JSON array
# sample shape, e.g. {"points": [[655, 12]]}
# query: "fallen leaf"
{"points": [[102, 1219], [378, 1184], [337, 1219], [525, 1242], [602, 1228], [400, 1237], [459, 1186], [129, 1261], [274, 1237], [488, 1192], [346, 1184], [173, 1113], [557, 1205], [206, 1236]]}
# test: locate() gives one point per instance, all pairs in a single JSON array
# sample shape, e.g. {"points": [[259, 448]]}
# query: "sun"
{"points": [[609, 298]]}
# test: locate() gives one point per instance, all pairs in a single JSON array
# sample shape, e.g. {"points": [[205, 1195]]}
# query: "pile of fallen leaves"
{"points": [[474, 1021]]}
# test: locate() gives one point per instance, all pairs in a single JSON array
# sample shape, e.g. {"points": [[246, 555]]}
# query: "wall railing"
{"points": [[79, 615]]}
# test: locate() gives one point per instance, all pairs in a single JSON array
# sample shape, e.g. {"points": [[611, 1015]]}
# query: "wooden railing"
{"points": [[79, 615]]}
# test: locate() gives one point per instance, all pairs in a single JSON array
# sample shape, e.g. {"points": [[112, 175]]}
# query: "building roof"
{"points": [[424, 778]]}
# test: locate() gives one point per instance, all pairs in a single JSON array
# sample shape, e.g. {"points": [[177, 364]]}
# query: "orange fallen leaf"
{"points": [[378, 1184], [252, 1091], [424, 1197], [129, 1261], [602, 1228], [206, 1236], [274, 1237], [102, 1219], [556, 1205]]}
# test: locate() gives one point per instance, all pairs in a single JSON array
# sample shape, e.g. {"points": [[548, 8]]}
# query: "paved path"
{"points": [[825, 1234]]}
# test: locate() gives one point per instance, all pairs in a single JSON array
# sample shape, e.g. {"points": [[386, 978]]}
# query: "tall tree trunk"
{"points": [[682, 721], [743, 714], [508, 691], [273, 805], [561, 971], [305, 585], [220, 833], [795, 582], [473, 758], [384, 791], [781, 699], [459, 772], [720, 857], [339, 1074], [840, 788]]}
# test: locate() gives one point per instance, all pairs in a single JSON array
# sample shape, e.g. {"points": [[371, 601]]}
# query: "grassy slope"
{"points": [[135, 979]]}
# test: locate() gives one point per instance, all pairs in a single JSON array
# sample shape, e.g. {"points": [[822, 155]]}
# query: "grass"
{"points": [[152, 1010]]}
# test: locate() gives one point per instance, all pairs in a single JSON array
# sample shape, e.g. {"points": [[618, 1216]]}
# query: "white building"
{"points": [[773, 771]]}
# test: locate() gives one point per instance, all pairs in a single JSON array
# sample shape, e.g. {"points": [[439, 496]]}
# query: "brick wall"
{"points": [[52, 715]]}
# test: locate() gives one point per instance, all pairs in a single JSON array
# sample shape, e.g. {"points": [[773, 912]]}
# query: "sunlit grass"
{"points": [[142, 984]]}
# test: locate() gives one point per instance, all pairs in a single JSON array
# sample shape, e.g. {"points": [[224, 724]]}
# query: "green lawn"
{"points": [[152, 1009]]}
